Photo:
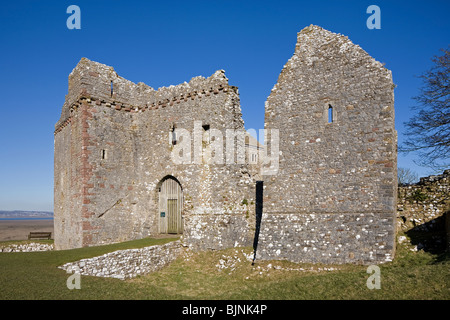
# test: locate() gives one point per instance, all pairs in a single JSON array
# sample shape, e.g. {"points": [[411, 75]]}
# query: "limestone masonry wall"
{"points": [[126, 264], [423, 208], [112, 151], [331, 200]]}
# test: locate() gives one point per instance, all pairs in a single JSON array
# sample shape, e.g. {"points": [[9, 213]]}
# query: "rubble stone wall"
{"points": [[126, 264], [424, 207]]}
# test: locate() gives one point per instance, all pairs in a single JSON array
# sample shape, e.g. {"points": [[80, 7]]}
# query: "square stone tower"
{"points": [[132, 162]]}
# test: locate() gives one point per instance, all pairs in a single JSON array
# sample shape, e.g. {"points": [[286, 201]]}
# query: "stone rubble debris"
{"points": [[230, 262], [27, 247], [127, 264]]}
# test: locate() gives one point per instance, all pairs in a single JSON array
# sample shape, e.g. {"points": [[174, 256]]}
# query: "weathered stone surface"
{"points": [[326, 238], [218, 231], [26, 247], [109, 163], [333, 198], [422, 202], [423, 209], [126, 264]]}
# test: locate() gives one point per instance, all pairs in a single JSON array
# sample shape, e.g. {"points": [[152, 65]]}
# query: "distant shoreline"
{"points": [[22, 215], [18, 228]]}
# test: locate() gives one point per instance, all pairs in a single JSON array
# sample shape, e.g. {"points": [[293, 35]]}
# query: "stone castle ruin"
{"points": [[331, 148]]}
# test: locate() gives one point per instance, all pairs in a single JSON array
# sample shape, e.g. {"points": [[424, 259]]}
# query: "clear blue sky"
{"points": [[169, 42]]}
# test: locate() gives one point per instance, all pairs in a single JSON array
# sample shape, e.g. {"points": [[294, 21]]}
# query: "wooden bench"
{"points": [[39, 235]]}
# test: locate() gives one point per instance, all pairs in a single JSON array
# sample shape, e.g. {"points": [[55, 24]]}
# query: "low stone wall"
{"points": [[327, 238], [126, 264], [26, 247], [422, 209], [424, 201]]}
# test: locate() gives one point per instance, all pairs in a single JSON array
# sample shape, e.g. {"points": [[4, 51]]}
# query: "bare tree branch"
{"points": [[406, 176], [428, 131]]}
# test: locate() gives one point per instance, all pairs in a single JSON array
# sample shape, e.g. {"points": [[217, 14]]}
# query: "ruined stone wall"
{"points": [[333, 197], [72, 173], [68, 188], [128, 263], [213, 193], [96, 183], [126, 152], [422, 211]]}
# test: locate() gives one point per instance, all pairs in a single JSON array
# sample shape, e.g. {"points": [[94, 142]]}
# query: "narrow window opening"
{"points": [[330, 113], [206, 136], [112, 88], [103, 154], [173, 135]]}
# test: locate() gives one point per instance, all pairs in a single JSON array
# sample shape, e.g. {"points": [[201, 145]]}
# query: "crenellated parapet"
{"points": [[93, 81]]}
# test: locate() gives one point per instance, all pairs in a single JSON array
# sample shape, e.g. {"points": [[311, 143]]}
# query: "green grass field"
{"points": [[196, 276]]}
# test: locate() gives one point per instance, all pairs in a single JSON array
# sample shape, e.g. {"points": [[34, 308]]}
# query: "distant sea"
{"points": [[25, 215], [26, 218]]}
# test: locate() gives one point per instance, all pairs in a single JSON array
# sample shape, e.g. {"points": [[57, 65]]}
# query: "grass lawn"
{"points": [[225, 275]]}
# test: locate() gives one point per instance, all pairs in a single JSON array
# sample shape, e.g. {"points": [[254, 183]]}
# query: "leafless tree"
{"points": [[406, 176], [428, 131]]}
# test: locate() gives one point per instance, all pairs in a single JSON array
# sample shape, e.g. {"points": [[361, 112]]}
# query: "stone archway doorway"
{"points": [[170, 206]]}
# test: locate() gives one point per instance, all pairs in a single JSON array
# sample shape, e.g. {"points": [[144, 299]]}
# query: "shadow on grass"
{"points": [[430, 236]]}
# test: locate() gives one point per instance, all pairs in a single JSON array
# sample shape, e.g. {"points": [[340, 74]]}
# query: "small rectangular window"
{"points": [[206, 134], [103, 154], [330, 113], [174, 137], [112, 88]]}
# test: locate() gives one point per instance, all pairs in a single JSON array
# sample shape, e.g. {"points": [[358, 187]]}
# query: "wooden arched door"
{"points": [[170, 206]]}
